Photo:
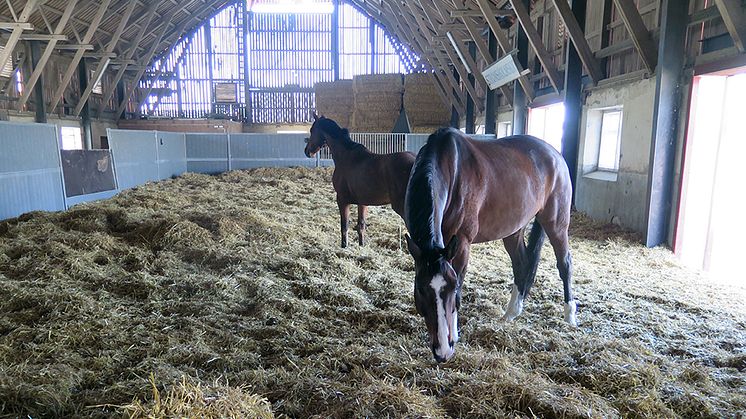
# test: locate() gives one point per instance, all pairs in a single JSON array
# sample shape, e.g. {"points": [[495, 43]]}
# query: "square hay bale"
{"points": [[335, 100], [378, 101], [424, 106]]}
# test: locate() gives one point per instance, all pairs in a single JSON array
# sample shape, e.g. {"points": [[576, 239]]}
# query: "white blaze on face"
{"points": [[442, 348]]}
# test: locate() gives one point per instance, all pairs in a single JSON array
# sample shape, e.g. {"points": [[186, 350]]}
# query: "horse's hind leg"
{"points": [[362, 212], [525, 260], [516, 247], [556, 223], [344, 215]]}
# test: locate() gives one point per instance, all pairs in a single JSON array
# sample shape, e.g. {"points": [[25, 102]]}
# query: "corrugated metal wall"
{"points": [[30, 169], [135, 157], [207, 153], [264, 150]]}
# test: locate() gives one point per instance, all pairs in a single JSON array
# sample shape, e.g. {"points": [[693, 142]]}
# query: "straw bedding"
{"points": [[203, 296], [378, 102], [335, 100], [425, 108]]}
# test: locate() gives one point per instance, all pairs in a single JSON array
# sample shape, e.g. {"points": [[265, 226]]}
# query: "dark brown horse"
{"points": [[463, 191], [360, 177]]}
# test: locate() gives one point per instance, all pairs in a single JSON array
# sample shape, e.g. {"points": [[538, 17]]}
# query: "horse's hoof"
{"points": [[570, 309]]}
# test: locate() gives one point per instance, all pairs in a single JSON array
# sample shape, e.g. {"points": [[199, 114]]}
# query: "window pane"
{"points": [[608, 154], [72, 138]]}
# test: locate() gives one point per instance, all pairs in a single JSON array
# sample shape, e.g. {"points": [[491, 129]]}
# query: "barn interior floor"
{"points": [[237, 281]]}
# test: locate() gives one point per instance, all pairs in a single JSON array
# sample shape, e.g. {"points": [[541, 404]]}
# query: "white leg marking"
{"points": [[442, 349], [570, 309], [515, 306]]}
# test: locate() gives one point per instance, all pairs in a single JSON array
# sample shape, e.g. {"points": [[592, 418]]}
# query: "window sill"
{"points": [[602, 175]]}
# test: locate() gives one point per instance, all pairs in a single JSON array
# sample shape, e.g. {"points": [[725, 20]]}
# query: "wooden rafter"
{"points": [[638, 32], [15, 36], [484, 50], [524, 17], [734, 17], [48, 50], [127, 60], [578, 40], [104, 61], [72, 68], [504, 43]]}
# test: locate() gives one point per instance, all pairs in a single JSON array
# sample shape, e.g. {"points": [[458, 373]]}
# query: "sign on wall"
{"points": [[502, 72], [226, 93]]}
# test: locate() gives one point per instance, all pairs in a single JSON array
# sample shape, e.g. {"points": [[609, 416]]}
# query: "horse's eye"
{"points": [[306, 140]]}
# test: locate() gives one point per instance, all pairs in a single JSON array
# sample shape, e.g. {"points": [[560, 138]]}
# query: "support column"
{"points": [[372, 37], [246, 26], [41, 104], [573, 97], [490, 107], [335, 39], [671, 61], [455, 117], [520, 103], [470, 116], [210, 60], [121, 88], [85, 113]]}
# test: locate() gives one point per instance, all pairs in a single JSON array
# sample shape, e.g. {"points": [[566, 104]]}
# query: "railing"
{"points": [[375, 143]]}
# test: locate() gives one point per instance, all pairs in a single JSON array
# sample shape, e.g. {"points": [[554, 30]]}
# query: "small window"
{"points": [[547, 122], [71, 138], [608, 150], [504, 129]]}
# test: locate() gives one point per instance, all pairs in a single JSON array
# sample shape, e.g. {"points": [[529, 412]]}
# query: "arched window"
{"points": [[276, 51]]}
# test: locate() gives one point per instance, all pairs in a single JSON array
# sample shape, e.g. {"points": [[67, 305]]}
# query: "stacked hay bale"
{"points": [[378, 100], [334, 100], [425, 108]]}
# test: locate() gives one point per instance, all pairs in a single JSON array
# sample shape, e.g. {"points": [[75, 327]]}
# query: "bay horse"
{"points": [[467, 191], [360, 177]]}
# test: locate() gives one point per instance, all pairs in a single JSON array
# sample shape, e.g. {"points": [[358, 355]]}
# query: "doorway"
{"points": [[710, 223]]}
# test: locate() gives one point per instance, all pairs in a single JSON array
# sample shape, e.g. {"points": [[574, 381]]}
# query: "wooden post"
{"points": [[335, 39], [671, 62], [455, 117], [470, 117], [85, 116], [490, 109], [573, 97], [520, 104], [41, 105]]}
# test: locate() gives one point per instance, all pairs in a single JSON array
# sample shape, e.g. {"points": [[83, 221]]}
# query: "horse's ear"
{"points": [[413, 248], [315, 116], [452, 248]]}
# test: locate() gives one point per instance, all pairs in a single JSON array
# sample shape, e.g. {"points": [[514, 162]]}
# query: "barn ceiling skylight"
{"points": [[293, 6]]}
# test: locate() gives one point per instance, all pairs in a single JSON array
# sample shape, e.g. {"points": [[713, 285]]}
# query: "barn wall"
{"points": [[183, 125], [620, 199]]}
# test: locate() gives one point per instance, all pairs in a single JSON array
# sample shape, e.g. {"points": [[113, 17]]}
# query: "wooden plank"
{"points": [[524, 17], [638, 32], [483, 49], [11, 26], [734, 17], [578, 39]]}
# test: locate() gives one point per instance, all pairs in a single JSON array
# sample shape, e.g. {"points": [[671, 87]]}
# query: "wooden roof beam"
{"points": [[578, 40], [638, 32], [524, 17], [15, 36], [505, 45], [484, 50], [734, 17]]}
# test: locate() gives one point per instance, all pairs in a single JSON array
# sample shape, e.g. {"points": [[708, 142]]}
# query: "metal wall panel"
{"points": [[207, 153], [172, 160], [135, 157], [268, 150], [30, 170], [416, 141]]}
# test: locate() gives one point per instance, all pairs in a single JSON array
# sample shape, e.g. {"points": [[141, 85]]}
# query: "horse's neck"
{"points": [[340, 151]]}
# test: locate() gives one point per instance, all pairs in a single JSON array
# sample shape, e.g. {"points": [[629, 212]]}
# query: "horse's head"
{"points": [[437, 295], [317, 138]]}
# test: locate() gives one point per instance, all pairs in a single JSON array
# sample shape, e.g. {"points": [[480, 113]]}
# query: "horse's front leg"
{"points": [[344, 215], [362, 213]]}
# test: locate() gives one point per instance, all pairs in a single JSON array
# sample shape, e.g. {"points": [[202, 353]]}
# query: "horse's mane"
{"points": [[333, 129], [420, 198]]}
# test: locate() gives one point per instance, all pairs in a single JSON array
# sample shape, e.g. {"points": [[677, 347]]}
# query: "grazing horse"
{"points": [[360, 177], [462, 191]]}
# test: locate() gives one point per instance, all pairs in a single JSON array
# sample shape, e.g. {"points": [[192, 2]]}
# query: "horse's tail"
{"points": [[533, 251]]}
